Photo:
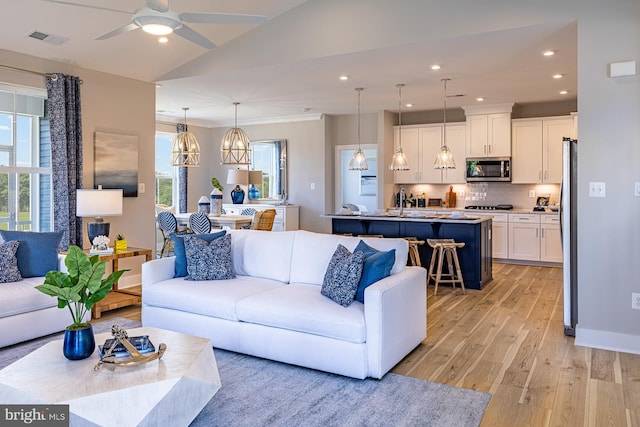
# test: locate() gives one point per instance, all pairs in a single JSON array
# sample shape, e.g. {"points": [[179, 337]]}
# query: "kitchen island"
{"points": [[474, 231]]}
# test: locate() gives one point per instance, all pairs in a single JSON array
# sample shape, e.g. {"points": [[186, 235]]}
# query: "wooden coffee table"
{"points": [[170, 391]]}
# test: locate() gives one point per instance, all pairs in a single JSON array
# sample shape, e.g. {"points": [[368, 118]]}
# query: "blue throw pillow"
{"points": [[8, 263], [342, 276], [377, 265], [208, 261], [37, 253], [180, 252]]}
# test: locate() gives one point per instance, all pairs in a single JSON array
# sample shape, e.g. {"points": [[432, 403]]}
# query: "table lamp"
{"points": [[238, 177], [98, 203], [255, 177]]}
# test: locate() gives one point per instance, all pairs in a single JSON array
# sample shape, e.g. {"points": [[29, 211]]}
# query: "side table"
{"points": [[119, 297]]}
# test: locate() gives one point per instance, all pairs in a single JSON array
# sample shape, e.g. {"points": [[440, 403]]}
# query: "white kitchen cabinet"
{"points": [[500, 234], [421, 144], [550, 244], [489, 135], [287, 216], [537, 149]]}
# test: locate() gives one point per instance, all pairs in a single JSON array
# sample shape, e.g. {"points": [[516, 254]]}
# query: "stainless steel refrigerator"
{"points": [[569, 233]]}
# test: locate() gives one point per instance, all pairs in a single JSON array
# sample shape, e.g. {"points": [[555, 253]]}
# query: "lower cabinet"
{"points": [[287, 217], [499, 234], [534, 237]]}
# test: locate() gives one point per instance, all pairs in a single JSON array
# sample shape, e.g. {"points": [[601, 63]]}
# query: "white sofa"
{"points": [[26, 313], [274, 308]]}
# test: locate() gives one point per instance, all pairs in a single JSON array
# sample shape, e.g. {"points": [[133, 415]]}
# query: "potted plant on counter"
{"points": [[79, 289], [121, 243]]}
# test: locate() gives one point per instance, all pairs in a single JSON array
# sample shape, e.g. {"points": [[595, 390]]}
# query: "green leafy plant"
{"points": [[81, 286], [216, 183], [120, 237]]}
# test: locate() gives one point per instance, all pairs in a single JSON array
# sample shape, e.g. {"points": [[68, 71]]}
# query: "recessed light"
{"points": [[343, 78], [435, 67], [408, 105], [163, 40], [558, 76], [549, 52], [564, 92], [480, 99]]}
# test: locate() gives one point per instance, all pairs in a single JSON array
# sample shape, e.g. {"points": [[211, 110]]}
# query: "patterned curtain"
{"points": [[66, 155], [183, 178]]}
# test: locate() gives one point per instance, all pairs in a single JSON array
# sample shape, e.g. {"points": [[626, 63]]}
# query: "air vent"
{"points": [[47, 38]]}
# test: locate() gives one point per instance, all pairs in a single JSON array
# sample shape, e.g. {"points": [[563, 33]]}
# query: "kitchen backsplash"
{"points": [[489, 193]]}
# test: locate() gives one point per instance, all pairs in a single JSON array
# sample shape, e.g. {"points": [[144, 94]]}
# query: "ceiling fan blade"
{"points": [[158, 5], [194, 36], [221, 18], [117, 31], [68, 3]]}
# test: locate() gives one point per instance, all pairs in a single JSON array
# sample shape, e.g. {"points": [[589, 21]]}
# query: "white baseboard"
{"points": [[127, 280], [607, 340]]}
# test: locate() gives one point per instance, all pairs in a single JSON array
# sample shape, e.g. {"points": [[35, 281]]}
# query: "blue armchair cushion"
{"points": [[9, 263], [180, 252], [37, 253], [377, 265]]}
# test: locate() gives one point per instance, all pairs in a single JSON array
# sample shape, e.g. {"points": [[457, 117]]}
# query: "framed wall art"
{"points": [[116, 162]]}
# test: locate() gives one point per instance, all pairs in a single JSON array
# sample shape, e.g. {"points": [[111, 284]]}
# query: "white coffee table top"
{"points": [[126, 396]]}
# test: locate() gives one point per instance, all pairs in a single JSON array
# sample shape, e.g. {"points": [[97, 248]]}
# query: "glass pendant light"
{"points": [[234, 149], [185, 150], [358, 160], [399, 160], [444, 159]]}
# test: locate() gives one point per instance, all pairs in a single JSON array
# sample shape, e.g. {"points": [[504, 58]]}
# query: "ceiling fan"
{"points": [[158, 19]]}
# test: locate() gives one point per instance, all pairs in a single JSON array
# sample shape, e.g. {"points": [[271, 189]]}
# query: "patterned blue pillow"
{"points": [[377, 265], [208, 261], [342, 276], [8, 262], [179, 250], [37, 253]]}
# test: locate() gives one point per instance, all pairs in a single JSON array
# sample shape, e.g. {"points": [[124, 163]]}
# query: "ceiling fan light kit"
{"points": [[157, 23]]}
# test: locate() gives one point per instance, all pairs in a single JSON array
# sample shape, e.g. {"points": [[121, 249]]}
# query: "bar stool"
{"points": [[414, 255], [445, 248]]}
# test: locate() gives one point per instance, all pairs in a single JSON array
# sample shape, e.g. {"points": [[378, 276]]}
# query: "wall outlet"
{"points": [[141, 187], [461, 193], [635, 301], [597, 189], [312, 186], [532, 193], [636, 189]]}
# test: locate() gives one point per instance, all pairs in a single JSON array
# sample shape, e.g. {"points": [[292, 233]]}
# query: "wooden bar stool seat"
{"points": [[414, 255], [445, 248]]}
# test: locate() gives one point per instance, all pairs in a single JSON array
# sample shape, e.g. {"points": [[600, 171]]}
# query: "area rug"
{"points": [[259, 392]]}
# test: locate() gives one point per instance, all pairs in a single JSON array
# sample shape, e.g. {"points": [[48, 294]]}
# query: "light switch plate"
{"points": [[636, 189], [141, 187], [532, 193], [597, 189]]}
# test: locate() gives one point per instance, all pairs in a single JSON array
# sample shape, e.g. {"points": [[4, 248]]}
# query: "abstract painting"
{"points": [[116, 162]]}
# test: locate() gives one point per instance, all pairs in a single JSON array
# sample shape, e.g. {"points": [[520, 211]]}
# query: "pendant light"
{"points": [[234, 149], [444, 159], [185, 150], [358, 160], [399, 161]]}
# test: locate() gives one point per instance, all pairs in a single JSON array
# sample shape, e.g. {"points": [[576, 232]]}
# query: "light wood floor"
{"points": [[508, 340]]}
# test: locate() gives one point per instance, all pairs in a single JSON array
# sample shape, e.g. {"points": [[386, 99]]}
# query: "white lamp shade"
{"points": [[238, 176], [255, 177], [98, 203]]}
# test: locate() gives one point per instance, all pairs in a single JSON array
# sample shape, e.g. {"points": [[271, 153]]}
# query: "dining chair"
{"points": [[168, 224], [247, 211], [199, 223], [263, 220]]}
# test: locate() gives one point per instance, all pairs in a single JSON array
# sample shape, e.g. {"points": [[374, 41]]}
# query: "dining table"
{"points": [[234, 222]]}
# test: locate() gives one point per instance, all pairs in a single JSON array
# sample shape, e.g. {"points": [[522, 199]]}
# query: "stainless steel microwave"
{"points": [[488, 169]]}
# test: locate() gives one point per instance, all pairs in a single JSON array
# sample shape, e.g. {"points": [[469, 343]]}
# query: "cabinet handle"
{"points": [[539, 175], [542, 233], [536, 232], [546, 175], [490, 149], [485, 149]]}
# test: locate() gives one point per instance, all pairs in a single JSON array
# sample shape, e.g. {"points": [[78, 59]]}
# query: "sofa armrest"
{"points": [[61, 265], [395, 310], [157, 270]]}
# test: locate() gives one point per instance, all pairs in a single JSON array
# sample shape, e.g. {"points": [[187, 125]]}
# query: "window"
{"points": [[25, 160], [166, 175]]}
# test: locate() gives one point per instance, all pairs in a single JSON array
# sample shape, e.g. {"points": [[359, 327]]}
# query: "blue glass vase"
{"points": [[254, 193], [78, 344]]}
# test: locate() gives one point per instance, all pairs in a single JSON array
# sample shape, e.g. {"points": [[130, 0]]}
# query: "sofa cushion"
{"points": [[208, 261], [179, 250], [312, 252], [37, 253], [262, 254], [215, 298], [8, 262], [22, 297], [300, 307], [377, 265], [342, 276]]}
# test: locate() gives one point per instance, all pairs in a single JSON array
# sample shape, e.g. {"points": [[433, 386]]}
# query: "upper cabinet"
{"points": [[421, 144], [488, 131], [537, 149]]}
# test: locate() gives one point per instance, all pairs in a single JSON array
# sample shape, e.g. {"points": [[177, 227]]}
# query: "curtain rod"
{"points": [[54, 77]]}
